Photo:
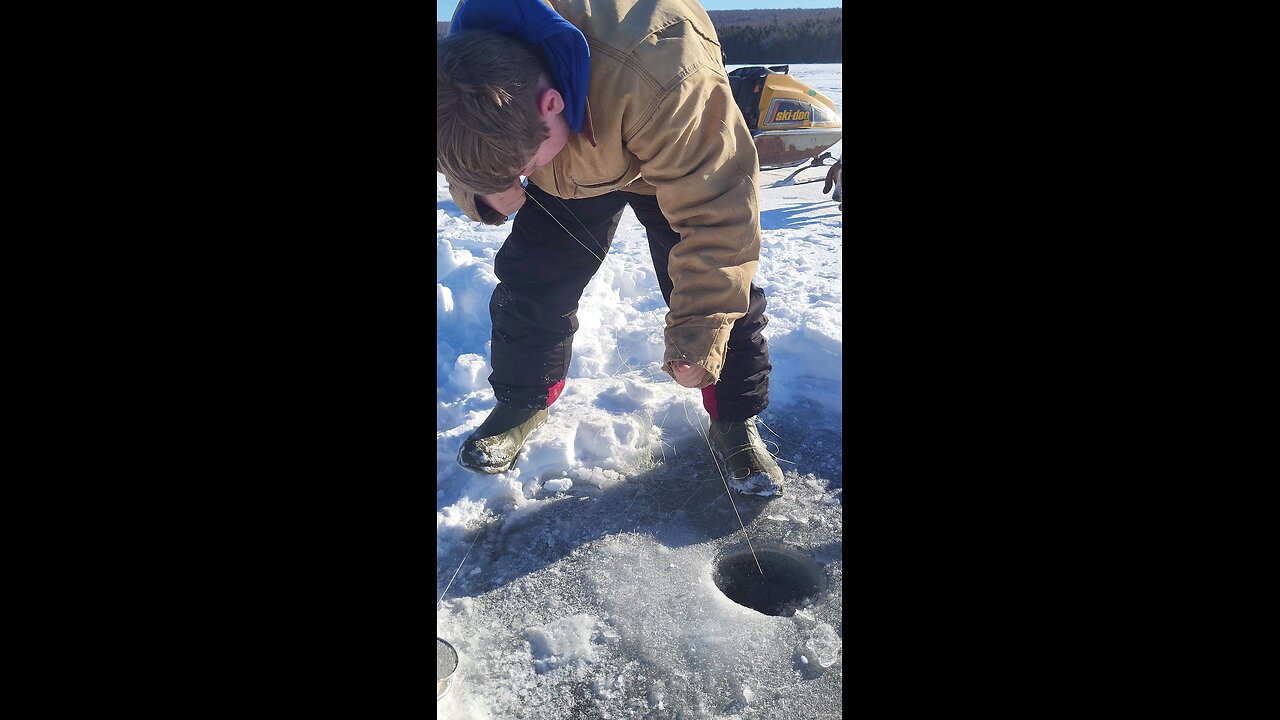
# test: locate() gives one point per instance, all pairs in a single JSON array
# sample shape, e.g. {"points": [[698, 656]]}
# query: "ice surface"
{"points": [[606, 607]]}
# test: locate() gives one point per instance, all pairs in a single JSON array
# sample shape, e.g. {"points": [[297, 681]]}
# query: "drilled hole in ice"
{"points": [[790, 580]]}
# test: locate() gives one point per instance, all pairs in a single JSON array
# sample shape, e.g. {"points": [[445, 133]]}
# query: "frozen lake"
{"points": [[588, 585]]}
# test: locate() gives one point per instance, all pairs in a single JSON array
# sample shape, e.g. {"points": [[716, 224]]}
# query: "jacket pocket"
{"points": [[613, 179]]}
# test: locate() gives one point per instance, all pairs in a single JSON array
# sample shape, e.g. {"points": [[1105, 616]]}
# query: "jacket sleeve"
{"points": [[697, 152]]}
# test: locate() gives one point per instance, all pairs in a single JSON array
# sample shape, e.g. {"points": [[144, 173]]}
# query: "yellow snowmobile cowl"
{"points": [[786, 103]]}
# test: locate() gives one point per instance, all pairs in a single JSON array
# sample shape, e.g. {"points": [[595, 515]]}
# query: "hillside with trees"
{"points": [[771, 37]]}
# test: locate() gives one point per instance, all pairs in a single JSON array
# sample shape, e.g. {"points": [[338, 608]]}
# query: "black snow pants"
{"points": [[543, 270]]}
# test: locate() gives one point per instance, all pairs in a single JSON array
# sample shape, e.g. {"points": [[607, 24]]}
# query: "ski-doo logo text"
{"points": [[785, 112]]}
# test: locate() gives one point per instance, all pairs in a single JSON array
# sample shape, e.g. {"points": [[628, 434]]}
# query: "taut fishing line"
{"points": [[455, 572], [705, 437]]}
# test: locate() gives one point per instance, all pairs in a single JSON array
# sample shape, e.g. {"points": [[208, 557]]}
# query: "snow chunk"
{"points": [[823, 644], [598, 476], [444, 301], [563, 641], [469, 372], [557, 485], [448, 259]]}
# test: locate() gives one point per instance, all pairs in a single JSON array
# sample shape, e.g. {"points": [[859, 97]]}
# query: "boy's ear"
{"points": [[550, 103]]}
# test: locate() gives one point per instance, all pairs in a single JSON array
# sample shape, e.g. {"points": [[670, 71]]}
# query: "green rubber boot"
{"points": [[493, 447], [752, 470]]}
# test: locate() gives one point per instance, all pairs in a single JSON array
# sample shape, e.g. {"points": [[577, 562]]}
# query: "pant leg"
{"points": [[542, 270], [743, 389]]}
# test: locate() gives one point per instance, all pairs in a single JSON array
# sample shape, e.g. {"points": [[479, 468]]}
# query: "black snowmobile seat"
{"points": [[746, 85]]}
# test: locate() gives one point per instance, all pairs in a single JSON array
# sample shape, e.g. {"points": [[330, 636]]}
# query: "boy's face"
{"points": [[558, 135], [551, 111]]}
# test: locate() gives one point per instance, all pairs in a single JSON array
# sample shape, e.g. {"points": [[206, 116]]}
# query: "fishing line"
{"points": [[735, 508], [553, 217], [776, 456], [584, 227], [766, 427], [455, 572], [707, 439]]}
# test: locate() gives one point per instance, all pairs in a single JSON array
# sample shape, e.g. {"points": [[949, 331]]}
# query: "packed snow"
{"points": [[581, 584]]}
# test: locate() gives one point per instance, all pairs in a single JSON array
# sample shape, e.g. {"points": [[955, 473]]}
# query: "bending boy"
{"points": [[603, 104]]}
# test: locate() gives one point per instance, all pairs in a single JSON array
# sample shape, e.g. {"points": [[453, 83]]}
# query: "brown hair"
{"points": [[487, 125]]}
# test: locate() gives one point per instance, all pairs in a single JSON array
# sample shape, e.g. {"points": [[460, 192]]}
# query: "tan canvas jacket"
{"points": [[661, 120]]}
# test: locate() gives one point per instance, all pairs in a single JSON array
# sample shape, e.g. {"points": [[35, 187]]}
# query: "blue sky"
{"points": [[444, 8]]}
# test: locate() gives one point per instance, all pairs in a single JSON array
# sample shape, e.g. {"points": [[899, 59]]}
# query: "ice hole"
{"points": [[790, 580]]}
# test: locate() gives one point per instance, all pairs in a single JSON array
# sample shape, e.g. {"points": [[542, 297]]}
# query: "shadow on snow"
{"points": [[680, 502]]}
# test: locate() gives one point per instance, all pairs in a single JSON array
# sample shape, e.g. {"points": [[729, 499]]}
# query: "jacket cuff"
{"points": [[703, 346]]}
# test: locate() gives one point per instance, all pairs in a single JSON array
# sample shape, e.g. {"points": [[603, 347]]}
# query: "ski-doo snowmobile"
{"points": [[791, 122]]}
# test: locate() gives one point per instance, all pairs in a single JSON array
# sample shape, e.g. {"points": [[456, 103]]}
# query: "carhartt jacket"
{"points": [[661, 120]]}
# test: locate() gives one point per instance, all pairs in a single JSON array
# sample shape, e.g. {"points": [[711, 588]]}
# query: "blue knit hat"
{"points": [[535, 22]]}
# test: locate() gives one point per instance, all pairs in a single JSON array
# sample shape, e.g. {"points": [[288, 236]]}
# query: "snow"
{"points": [[567, 640], [585, 586]]}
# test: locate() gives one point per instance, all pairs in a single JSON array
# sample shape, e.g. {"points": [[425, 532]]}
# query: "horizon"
{"points": [[444, 8]]}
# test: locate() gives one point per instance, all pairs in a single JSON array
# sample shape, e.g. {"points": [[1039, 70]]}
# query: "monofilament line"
{"points": [[553, 217], [455, 572], [727, 491], [603, 250], [705, 437]]}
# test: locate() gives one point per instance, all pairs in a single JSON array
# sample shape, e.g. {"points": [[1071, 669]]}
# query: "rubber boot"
{"points": [[493, 447], [752, 470]]}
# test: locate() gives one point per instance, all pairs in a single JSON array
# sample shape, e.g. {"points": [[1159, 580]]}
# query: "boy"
{"points": [[601, 104]]}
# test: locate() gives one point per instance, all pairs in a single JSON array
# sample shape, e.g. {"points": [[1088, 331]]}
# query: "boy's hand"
{"points": [[507, 201], [688, 375]]}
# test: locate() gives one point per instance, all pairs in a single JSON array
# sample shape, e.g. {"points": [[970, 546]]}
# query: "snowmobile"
{"points": [[791, 123]]}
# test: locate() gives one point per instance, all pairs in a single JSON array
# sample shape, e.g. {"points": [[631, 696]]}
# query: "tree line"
{"points": [[770, 37], [801, 40]]}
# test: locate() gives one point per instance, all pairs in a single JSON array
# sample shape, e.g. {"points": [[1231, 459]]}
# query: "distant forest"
{"points": [[771, 37]]}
